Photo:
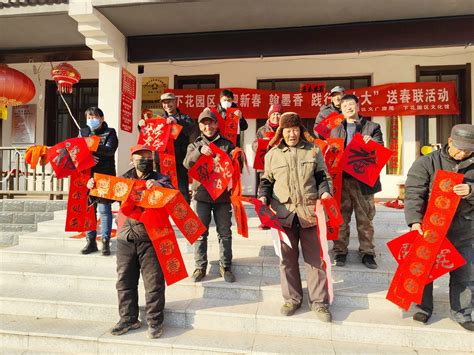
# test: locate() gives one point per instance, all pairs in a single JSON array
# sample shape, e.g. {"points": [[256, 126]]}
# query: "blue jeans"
{"points": [[105, 211]]}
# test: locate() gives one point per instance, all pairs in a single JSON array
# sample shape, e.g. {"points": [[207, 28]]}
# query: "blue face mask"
{"points": [[94, 123]]}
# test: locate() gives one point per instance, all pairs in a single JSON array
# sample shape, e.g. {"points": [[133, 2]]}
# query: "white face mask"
{"points": [[226, 104]]}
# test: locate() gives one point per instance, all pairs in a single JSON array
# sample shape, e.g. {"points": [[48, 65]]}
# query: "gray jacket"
{"points": [[420, 180]]}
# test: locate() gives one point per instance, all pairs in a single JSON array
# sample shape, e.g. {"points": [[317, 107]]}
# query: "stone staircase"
{"points": [[20, 216], [54, 299]]}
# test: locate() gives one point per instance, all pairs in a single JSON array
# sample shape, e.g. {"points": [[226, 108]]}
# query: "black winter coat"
{"points": [[193, 154], [366, 128], [106, 151], [133, 229]]}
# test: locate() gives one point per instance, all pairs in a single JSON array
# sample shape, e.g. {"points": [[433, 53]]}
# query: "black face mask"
{"points": [[145, 165]]}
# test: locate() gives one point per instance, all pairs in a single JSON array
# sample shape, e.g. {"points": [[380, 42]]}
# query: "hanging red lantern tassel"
{"points": [[15, 87], [65, 76]]}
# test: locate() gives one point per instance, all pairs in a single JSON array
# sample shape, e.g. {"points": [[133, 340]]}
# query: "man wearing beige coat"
{"points": [[295, 178]]}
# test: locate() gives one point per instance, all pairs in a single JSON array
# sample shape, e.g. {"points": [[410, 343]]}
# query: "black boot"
{"points": [[91, 246], [105, 247]]}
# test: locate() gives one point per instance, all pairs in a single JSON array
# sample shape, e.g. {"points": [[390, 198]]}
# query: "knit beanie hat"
{"points": [[287, 120], [275, 108]]}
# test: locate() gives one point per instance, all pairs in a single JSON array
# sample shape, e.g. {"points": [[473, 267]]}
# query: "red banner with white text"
{"points": [[396, 99]]}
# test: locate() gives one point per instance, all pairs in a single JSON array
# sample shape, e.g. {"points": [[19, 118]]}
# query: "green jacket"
{"points": [[293, 180]]}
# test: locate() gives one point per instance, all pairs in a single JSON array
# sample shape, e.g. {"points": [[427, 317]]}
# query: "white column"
{"points": [[110, 51]]}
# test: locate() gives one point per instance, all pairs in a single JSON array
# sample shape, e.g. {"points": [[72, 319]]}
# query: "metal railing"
{"points": [[18, 178]]}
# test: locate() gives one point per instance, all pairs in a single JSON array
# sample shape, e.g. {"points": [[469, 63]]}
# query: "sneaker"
{"points": [[123, 327], [421, 317], [154, 332], [227, 274], [91, 246], [369, 261], [263, 227], [198, 274], [322, 312], [288, 309], [469, 325], [341, 260], [105, 247]]}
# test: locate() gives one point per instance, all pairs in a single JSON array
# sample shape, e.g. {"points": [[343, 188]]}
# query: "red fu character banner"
{"points": [[228, 126], [364, 161], [80, 216], [447, 260], [325, 127], [332, 150], [213, 172], [70, 156], [155, 134], [265, 214], [262, 146], [168, 157], [395, 99], [166, 247], [413, 273]]}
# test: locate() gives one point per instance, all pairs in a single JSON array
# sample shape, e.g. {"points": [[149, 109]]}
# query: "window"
{"points": [[294, 85], [436, 129], [58, 123], [196, 81]]}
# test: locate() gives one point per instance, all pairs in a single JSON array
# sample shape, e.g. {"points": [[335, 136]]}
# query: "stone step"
{"points": [[32, 250], [88, 271], [18, 228], [8, 239], [381, 225], [28, 334], [25, 217], [256, 240], [17, 298], [243, 320], [8, 205]]}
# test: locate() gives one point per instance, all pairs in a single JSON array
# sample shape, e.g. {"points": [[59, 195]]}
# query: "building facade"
{"points": [[248, 46]]}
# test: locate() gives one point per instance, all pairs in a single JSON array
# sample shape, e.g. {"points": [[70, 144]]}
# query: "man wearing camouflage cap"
{"points": [[456, 156]]}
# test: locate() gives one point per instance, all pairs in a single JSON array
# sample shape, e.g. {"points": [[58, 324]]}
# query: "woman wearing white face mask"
{"points": [[105, 159], [226, 102]]}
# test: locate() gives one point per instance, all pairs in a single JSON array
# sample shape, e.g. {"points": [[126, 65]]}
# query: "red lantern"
{"points": [[65, 76], [15, 87]]}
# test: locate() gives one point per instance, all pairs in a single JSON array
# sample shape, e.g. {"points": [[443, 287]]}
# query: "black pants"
{"points": [[461, 234], [182, 175], [222, 216], [131, 258], [183, 182]]}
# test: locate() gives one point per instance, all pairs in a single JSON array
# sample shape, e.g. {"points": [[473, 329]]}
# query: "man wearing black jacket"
{"points": [[174, 115], [135, 252], [205, 205], [227, 101], [105, 159], [456, 156], [356, 196]]}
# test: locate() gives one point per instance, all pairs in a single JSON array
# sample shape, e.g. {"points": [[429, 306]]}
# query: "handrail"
{"points": [[17, 178]]}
